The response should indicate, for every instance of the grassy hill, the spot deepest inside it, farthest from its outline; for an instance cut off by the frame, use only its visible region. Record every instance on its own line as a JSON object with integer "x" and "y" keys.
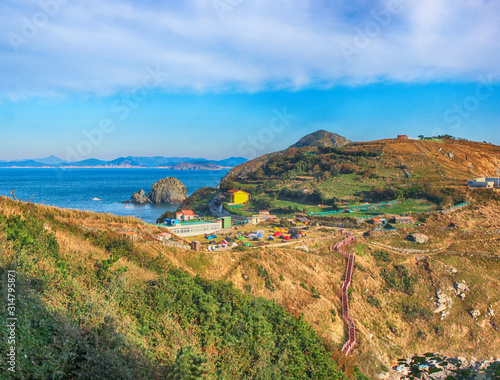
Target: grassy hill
{"x": 91, "y": 304}
{"x": 363, "y": 172}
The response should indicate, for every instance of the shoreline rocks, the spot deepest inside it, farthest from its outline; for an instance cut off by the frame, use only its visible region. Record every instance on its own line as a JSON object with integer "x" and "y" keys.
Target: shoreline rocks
{"x": 167, "y": 190}
{"x": 140, "y": 197}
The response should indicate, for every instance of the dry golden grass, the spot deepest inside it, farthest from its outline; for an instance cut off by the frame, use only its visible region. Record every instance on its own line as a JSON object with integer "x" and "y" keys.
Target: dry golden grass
{"x": 383, "y": 333}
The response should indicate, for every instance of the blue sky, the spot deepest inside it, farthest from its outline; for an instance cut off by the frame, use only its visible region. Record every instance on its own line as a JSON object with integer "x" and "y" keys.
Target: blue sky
{"x": 220, "y": 78}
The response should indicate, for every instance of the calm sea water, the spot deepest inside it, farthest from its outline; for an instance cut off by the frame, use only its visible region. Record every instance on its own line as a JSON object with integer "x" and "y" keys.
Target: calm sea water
{"x": 75, "y": 188}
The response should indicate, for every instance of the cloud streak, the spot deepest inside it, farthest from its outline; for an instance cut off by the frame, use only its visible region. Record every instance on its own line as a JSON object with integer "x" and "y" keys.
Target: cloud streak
{"x": 103, "y": 47}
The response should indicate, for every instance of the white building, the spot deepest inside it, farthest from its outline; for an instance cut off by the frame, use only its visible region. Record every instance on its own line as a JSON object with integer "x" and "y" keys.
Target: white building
{"x": 196, "y": 228}
{"x": 485, "y": 182}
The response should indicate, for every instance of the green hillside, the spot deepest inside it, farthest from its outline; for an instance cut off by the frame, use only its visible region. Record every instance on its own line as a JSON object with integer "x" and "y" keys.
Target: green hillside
{"x": 93, "y": 305}
{"x": 362, "y": 172}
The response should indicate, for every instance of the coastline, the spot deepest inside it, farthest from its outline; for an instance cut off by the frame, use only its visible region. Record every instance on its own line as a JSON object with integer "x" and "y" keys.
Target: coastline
{"x": 113, "y": 167}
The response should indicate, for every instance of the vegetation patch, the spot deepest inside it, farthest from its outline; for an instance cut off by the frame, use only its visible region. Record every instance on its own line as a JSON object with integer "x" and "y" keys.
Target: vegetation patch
{"x": 399, "y": 279}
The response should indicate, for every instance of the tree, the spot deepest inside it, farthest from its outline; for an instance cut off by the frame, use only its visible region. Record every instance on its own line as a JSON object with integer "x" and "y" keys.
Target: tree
{"x": 421, "y": 137}
{"x": 187, "y": 366}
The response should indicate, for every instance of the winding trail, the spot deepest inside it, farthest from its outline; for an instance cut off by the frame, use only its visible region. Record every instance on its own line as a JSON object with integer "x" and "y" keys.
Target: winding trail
{"x": 350, "y": 238}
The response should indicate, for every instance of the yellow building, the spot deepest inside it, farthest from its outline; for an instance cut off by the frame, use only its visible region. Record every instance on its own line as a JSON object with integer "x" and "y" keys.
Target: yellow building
{"x": 238, "y": 196}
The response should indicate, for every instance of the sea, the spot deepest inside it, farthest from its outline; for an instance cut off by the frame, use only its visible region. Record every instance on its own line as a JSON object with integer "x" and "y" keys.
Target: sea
{"x": 76, "y": 188}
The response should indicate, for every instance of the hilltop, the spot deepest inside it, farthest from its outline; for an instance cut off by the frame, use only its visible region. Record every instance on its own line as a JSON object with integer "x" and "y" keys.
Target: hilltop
{"x": 321, "y": 138}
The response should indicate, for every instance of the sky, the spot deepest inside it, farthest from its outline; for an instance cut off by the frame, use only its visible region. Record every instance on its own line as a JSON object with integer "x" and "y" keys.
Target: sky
{"x": 221, "y": 78}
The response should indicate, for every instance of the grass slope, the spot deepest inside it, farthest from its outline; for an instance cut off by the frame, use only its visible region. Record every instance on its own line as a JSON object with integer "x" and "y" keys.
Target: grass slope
{"x": 93, "y": 305}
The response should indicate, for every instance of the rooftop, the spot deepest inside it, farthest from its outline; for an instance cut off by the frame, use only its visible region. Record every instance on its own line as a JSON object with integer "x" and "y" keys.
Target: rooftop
{"x": 185, "y": 212}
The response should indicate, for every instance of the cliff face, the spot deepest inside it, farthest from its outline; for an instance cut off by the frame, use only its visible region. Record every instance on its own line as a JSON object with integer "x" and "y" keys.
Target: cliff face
{"x": 168, "y": 190}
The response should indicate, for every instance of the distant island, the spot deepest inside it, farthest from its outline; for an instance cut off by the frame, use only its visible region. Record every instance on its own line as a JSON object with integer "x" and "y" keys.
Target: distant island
{"x": 158, "y": 162}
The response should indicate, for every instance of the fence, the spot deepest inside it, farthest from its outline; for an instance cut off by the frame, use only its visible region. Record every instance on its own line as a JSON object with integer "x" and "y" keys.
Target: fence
{"x": 354, "y": 208}
{"x": 349, "y": 345}
{"x": 455, "y": 208}
{"x": 176, "y": 244}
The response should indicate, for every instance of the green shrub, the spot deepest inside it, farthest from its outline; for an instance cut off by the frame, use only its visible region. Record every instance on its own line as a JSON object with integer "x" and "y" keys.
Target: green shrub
{"x": 374, "y": 301}
{"x": 315, "y": 292}
{"x": 400, "y": 279}
{"x": 381, "y": 257}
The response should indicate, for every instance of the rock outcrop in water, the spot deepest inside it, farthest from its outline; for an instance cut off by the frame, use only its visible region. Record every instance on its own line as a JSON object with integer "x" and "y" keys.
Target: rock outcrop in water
{"x": 167, "y": 190}
{"x": 140, "y": 197}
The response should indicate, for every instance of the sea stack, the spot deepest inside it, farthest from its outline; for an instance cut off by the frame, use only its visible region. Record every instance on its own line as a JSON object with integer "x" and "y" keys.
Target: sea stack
{"x": 140, "y": 197}
{"x": 168, "y": 190}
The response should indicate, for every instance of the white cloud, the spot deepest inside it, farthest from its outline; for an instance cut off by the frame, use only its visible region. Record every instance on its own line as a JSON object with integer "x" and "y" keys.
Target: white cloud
{"x": 106, "y": 46}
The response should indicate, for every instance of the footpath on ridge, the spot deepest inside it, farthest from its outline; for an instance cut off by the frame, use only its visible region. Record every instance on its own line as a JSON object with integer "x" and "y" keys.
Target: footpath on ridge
{"x": 350, "y": 238}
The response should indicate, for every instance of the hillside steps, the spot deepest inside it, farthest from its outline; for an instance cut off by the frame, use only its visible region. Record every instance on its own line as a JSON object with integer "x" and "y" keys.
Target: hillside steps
{"x": 350, "y": 238}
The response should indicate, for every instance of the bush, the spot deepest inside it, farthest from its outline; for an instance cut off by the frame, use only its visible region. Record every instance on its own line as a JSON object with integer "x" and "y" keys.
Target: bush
{"x": 412, "y": 312}
{"x": 400, "y": 279}
{"x": 374, "y": 301}
{"x": 315, "y": 292}
{"x": 382, "y": 257}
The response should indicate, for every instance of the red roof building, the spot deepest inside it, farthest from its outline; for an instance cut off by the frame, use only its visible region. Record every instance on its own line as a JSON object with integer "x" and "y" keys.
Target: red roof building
{"x": 184, "y": 215}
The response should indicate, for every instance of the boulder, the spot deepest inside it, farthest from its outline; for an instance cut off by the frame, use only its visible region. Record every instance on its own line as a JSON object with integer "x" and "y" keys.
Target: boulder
{"x": 474, "y": 313}
{"x": 168, "y": 190}
{"x": 440, "y": 308}
{"x": 461, "y": 289}
{"x": 140, "y": 197}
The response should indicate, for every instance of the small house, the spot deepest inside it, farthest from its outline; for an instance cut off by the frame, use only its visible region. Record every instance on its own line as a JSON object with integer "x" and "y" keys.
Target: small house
{"x": 303, "y": 221}
{"x": 196, "y": 246}
{"x": 133, "y": 236}
{"x": 404, "y": 137}
{"x": 185, "y": 215}
{"x": 402, "y": 220}
{"x": 389, "y": 227}
{"x": 418, "y": 238}
{"x": 163, "y": 237}
{"x": 265, "y": 215}
{"x": 377, "y": 220}
{"x": 256, "y": 219}
{"x": 225, "y": 222}
{"x": 296, "y": 230}
{"x": 238, "y": 196}
{"x": 488, "y": 183}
